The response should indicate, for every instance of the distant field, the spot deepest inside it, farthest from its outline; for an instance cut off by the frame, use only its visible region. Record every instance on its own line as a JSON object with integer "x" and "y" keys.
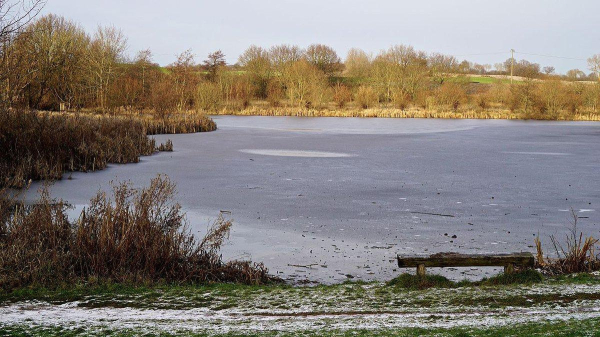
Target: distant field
{"x": 489, "y": 80}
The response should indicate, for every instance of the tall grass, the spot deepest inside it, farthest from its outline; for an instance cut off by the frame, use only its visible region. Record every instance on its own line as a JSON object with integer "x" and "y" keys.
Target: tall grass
{"x": 137, "y": 236}
{"x": 39, "y": 145}
{"x": 577, "y": 254}
{"x": 413, "y": 112}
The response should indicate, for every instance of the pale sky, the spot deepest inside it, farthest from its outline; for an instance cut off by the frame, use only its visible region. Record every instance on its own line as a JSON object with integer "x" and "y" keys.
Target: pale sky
{"x": 567, "y": 28}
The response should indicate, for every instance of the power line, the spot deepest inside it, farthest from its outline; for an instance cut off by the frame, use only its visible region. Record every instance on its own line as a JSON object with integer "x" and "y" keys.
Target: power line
{"x": 496, "y": 53}
{"x": 557, "y": 57}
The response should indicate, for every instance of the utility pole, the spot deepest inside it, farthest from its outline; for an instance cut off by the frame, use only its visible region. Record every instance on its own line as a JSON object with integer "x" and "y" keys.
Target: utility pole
{"x": 512, "y": 64}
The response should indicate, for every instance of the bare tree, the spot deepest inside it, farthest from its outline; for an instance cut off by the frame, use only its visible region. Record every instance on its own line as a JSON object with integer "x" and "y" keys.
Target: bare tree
{"x": 16, "y": 14}
{"x": 324, "y": 58}
{"x": 184, "y": 79}
{"x": 215, "y": 61}
{"x": 594, "y": 65}
{"x": 104, "y": 55}
{"x": 549, "y": 70}
{"x": 441, "y": 66}
{"x": 575, "y": 75}
{"x": 283, "y": 55}
{"x": 357, "y": 63}
{"x": 53, "y": 51}
{"x": 255, "y": 60}
{"x": 400, "y": 68}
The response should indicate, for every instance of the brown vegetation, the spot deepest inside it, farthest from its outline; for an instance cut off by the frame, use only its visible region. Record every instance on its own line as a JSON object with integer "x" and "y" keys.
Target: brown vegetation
{"x": 53, "y": 64}
{"x": 576, "y": 255}
{"x": 45, "y": 145}
{"x": 138, "y": 236}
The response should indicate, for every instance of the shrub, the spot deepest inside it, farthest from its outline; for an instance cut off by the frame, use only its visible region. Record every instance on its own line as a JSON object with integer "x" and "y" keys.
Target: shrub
{"x": 209, "y": 96}
{"x": 451, "y": 95}
{"x": 275, "y": 92}
{"x": 137, "y": 236}
{"x": 552, "y": 97}
{"x": 163, "y": 98}
{"x": 341, "y": 95}
{"x": 366, "y": 97}
{"x": 401, "y": 99}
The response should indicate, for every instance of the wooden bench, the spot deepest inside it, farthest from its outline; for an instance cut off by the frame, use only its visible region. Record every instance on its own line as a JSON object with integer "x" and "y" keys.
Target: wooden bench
{"x": 508, "y": 261}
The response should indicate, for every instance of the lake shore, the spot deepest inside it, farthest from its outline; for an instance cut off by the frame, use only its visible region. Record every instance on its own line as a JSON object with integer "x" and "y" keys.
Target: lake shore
{"x": 402, "y": 113}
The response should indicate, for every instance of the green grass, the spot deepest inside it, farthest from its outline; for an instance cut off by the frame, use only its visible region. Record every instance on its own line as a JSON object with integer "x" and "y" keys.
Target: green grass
{"x": 437, "y": 301}
{"x": 489, "y": 80}
{"x": 415, "y": 282}
{"x": 588, "y": 327}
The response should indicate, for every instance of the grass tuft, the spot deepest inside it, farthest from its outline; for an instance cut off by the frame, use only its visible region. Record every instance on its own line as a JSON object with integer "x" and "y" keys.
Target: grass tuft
{"x": 525, "y": 277}
{"x": 416, "y": 282}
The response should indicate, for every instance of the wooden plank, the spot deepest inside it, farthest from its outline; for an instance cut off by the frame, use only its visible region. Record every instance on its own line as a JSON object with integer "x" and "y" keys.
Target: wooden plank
{"x": 467, "y": 260}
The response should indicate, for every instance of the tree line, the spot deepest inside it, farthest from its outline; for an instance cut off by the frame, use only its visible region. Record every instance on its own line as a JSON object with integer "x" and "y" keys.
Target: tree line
{"x": 52, "y": 64}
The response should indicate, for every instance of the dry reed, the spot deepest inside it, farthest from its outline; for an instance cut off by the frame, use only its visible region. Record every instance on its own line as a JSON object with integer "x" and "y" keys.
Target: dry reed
{"x": 45, "y": 145}
{"x": 575, "y": 256}
{"x": 414, "y": 112}
{"x": 139, "y": 236}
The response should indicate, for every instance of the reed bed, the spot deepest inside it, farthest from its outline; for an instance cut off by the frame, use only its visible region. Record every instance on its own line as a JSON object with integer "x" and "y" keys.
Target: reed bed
{"x": 398, "y": 113}
{"x": 137, "y": 236}
{"x": 39, "y": 145}
{"x": 576, "y": 255}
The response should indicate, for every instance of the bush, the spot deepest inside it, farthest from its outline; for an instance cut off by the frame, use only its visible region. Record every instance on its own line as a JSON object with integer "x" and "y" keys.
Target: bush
{"x": 451, "y": 95}
{"x": 366, "y": 97}
{"x": 401, "y": 99}
{"x": 275, "y": 92}
{"x": 341, "y": 95}
{"x": 137, "y": 236}
{"x": 552, "y": 97}
{"x": 209, "y": 96}
{"x": 163, "y": 98}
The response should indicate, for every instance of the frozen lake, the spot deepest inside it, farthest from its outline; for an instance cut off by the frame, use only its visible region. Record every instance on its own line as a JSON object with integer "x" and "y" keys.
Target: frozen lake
{"x": 345, "y": 195}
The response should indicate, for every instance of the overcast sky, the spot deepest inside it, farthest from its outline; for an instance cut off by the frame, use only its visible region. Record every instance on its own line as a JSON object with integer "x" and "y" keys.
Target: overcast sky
{"x": 567, "y": 28}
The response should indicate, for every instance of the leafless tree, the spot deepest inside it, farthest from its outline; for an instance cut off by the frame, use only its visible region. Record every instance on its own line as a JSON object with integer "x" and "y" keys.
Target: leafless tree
{"x": 441, "y": 66}
{"x": 283, "y": 55}
{"x": 548, "y": 70}
{"x": 104, "y": 55}
{"x": 575, "y": 74}
{"x": 214, "y": 61}
{"x": 594, "y": 64}
{"x": 357, "y": 63}
{"x": 255, "y": 60}
{"x": 324, "y": 58}
{"x": 16, "y": 14}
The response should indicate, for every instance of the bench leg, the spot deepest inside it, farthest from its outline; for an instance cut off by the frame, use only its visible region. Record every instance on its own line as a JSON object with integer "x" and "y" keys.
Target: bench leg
{"x": 509, "y": 268}
{"x": 421, "y": 270}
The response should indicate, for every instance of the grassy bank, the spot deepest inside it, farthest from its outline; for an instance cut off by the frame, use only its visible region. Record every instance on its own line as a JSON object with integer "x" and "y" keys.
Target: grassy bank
{"x": 559, "y": 305}
{"x": 46, "y": 145}
{"x": 571, "y": 328}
